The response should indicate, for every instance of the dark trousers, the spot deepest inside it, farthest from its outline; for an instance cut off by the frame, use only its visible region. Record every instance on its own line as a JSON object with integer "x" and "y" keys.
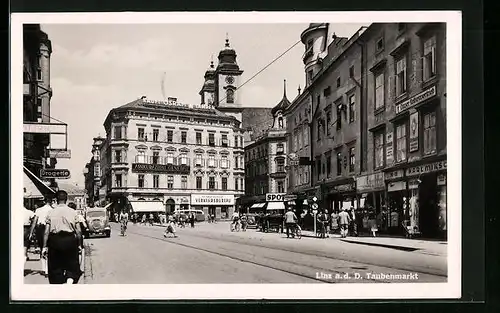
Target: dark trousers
{"x": 289, "y": 226}
{"x": 63, "y": 258}
{"x": 40, "y": 233}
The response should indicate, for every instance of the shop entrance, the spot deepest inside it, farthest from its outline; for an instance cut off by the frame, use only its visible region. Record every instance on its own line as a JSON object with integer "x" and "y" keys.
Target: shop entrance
{"x": 170, "y": 205}
{"x": 428, "y": 206}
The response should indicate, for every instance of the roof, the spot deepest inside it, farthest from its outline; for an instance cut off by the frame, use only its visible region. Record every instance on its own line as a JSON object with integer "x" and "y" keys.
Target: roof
{"x": 283, "y": 104}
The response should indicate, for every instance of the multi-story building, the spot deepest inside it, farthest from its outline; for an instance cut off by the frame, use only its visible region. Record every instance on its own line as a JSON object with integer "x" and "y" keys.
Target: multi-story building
{"x": 406, "y": 118}
{"x": 37, "y": 92}
{"x": 93, "y": 173}
{"x": 266, "y": 163}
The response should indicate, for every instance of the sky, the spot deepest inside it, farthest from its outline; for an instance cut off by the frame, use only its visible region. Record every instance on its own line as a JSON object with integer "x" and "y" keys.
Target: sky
{"x": 97, "y": 67}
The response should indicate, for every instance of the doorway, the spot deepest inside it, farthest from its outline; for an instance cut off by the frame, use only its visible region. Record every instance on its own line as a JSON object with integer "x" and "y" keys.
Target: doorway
{"x": 428, "y": 208}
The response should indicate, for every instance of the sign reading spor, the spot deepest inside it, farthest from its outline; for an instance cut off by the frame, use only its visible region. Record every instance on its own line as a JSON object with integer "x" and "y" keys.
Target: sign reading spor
{"x": 275, "y": 197}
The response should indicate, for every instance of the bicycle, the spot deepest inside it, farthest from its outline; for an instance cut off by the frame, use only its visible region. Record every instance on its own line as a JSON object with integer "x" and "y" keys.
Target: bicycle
{"x": 235, "y": 226}
{"x": 296, "y": 231}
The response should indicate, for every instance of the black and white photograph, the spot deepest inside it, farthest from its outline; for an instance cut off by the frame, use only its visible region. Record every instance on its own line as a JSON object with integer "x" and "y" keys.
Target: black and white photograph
{"x": 231, "y": 155}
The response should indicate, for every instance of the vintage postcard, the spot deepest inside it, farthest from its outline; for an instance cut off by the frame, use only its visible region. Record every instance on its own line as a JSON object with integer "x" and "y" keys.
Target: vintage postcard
{"x": 304, "y": 155}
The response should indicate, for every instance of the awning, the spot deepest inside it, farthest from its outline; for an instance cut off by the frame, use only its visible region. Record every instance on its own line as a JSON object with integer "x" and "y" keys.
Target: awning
{"x": 147, "y": 206}
{"x": 257, "y": 205}
{"x": 34, "y": 187}
{"x": 108, "y": 205}
{"x": 275, "y": 205}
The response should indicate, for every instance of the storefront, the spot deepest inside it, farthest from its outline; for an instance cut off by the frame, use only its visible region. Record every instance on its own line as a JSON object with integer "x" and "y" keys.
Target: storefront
{"x": 222, "y": 206}
{"x": 275, "y": 202}
{"x": 396, "y": 201}
{"x": 371, "y": 196}
{"x": 340, "y": 195}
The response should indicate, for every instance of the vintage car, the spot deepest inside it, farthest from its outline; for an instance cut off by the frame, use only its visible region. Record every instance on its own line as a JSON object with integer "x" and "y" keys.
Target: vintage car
{"x": 252, "y": 220}
{"x": 97, "y": 222}
{"x": 270, "y": 222}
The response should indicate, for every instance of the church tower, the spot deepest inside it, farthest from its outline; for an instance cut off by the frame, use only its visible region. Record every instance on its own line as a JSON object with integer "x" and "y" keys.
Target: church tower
{"x": 279, "y": 121}
{"x": 227, "y": 80}
{"x": 207, "y": 92}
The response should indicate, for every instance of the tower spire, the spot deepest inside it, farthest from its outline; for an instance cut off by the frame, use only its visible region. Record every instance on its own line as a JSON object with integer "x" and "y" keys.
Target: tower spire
{"x": 212, "y": 61}
{"x": 227, "y": 40}
{"x": 299, "y": 89}
{"x": 284, "y": 89}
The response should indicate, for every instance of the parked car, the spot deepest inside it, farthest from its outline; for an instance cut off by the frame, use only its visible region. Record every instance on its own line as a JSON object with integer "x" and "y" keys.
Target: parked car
{"x": 98, "y": 222}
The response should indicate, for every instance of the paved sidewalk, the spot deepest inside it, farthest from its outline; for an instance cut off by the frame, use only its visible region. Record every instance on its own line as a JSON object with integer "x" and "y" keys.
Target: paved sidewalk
{"x": 33, "y": 273}
{"x": 425, "y": 246}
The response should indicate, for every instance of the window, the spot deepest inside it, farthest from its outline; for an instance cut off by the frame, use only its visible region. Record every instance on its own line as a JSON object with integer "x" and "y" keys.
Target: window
{"x": 230, "y": 96}
{"x": 224, "y": 183}
{"x": 318, "y": 168}
{"x": 156, "y": 132}
{"x": 351, "y": 71}
{"x": 198, "y": 160}
{"x": 118, "y": 132}
{"x": 183, "y": 136}
{"x": 118, "y": 180}
{"x": 280, "y": 148}
{"x": 280, "y": 122}
{"x": 430, "y": 133}
{"x": 280, "y": 165}
{"x": 224, "y": 163}
{"x": 211, "y": 182}
{"x": 184, "y": 159}
{"x": 379, "y": 149}
{"x": 300, "y": 138}
{"x": 140, "y": 180}
{"x": 236, "y": 141}
{"x": 170, "y": 182}
{"x": 156, "y": 181}
{"x": 319, "y": 130}
{"x": 198, "y": 138}
{"x": 211, "y": 140}
{"x": 327, "y": 91}
{"x": 306, "y": 136}
{"x": 118, "y": 156}
{"x": 295, "y": 141}
{"x": 338, "y": 82}
{"x": 339, "y": 116}
{"x": 379, "y": 45}
{"x": 379, "y": 91}
{"x": 236, "y": 183}
{"x": 352, "y": 159}
{"x": 339, "y": 164}
{"x": 401, "y": 76}
{"x": 328, "y": 165}
{"x": 401, "y": 143}
{"x": 39, "y": 75}
{"x": 241, "y": 141}
{"x": 170, "y": 158}
{"x": 429, "y": 60}
{"x": 141, "y": 156}
{"x": 224, "y": 142}
{"x": 242, "y": 184}
{"x": 156, "y": 157}
{"x": 184, "y": 181}
{"x": 199, "y": 182}
{"x": 170, "y": 135}
{"x": 211, "y": 161}
{"x": 328, "y": 114}
{"x": 352, "y": 108}
{"x": 140, "y": 133}
{"x": 280, "y": 186}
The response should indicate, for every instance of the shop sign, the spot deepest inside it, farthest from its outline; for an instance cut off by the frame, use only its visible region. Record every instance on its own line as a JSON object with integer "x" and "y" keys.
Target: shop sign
{"x": 396, "y": 186}
{"x": 413, "y": 184}
{"x": 427, "y": 168}
{"x": 394, "y": 175}
{"x": 54, "y": 173}
{"x": 212, "y": 199}
{"x": 59, "y": 154}
{"x": 290, "y": 197}
{"x": 441, "y": 180}
{"x": 275, "y": 197}
{"x": 389, "y": 152}
{"x": 185, "y": 200}
{"x": 414, "y": 132}
{"x": 345, "y": 188}
{"x": 160, "y": 168}
{"x": 421, "y": 97}
{"x": 370, "y": 182}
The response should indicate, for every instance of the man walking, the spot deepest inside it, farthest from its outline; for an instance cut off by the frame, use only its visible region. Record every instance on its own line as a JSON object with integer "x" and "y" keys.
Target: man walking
{"x": 290, "y": 221}
{"x": 344, "y": 220}
{"x": 29, "y": 222}
{"x": 40, "y": 218}
{"x": 62, "y": 241}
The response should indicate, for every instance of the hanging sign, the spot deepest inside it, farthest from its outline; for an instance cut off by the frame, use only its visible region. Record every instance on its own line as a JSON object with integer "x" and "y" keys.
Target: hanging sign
{"x": 414, "y": 132}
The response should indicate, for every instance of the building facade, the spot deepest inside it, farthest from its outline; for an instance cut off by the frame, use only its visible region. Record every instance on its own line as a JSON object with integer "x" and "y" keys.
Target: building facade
{"x": 266, "y": 163}
{"x": 92, "y": 174}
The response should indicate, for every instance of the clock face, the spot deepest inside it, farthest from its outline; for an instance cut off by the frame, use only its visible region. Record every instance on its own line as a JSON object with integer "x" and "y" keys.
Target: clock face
{"x": 229, "y": 79}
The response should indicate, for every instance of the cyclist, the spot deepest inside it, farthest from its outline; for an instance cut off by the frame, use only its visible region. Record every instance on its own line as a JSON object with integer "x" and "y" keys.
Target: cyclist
{"x": 235, "y": 220}
{"x": 123, "y": 220}
{"x": 290, "y": 222}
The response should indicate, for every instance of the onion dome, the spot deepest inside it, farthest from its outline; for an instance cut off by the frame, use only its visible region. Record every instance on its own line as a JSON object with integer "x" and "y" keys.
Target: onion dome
{"x": 227, "y": 58}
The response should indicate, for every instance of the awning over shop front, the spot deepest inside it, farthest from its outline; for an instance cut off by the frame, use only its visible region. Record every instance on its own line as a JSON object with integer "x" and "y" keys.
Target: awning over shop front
{"x": 147, "y": 206}
{"x": 257, "y": 205}
{"x": 34, "y": 188}
{"x": 108, "y": 205}
{"x": 275, "y": 205}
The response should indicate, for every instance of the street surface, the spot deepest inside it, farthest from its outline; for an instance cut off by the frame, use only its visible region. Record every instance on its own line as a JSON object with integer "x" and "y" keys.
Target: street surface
{"x": 210, "y": 253}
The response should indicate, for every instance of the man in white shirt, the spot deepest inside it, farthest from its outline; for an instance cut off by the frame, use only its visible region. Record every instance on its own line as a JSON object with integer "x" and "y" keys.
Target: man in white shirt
{"x": 40, "y": 219}
{"x": 28, "y": 229}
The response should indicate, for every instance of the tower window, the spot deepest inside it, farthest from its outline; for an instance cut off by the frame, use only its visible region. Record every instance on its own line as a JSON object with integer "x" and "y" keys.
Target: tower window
{"x": 230, "y": 96}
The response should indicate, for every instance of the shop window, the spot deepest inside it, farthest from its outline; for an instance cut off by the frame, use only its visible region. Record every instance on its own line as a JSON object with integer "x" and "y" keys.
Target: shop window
{"x": 339, "y": 164}
{"x": 156, "y": 133}
{"x": 198, "y": 138}
{"x": 140, "y": 181}
{"x": 199, "y": 182}
{"x": 352, "y": 159}
{"x": 379, "y": 149}
{"x": 184, "y": 136}
{"x": 118, "y": 180}
{"x": 430, "y": 133}
{"x": 401, "y": 143}
{"x": 140, "y": 133}
{"x": 224, "y": 183}
{"x": 379, "y": 91}
{"x": 184, "y": 181}
{"x": 170, "y": 182}
{"x": 429, "y": 59}
{"x": 401, "y": 76}
{"x": 352, "y": 108}
{"x": 156, "y": 181}
{"x": 156, "y": 157}
{"x": 170, "y": 136}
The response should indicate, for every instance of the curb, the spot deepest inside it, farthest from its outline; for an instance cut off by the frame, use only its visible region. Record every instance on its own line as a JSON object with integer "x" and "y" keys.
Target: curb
{"x": 404, "y": 248}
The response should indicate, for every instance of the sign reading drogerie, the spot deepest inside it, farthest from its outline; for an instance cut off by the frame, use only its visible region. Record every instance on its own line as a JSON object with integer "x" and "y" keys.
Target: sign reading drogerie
{"x": 55, "y": 173}
{"x": 421, "y": 97}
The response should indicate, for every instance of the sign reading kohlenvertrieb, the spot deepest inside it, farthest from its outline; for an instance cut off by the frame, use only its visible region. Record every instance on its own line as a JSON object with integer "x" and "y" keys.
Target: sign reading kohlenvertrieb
{"x": 55, "y": 173}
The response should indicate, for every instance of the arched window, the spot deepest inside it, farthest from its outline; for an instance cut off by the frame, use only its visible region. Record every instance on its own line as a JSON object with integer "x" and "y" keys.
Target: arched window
{"x": 230, "y": 96}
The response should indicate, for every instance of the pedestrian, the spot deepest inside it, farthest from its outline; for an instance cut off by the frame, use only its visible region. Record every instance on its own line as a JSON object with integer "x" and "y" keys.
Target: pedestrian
{"x": 334, "y": 223}
{"x": 170, "y": 227}
{"x": 354, "y": 224}
{"x": 29, "y": 225}
{"x": 344, "y": 220}
{"x": 290, "y": 221}
{"x": 191, "y": 220}
{"x": 143, "y": 220}
{"x": 151, "y": 219}
{"x": 62, "y": 242}
{"x": 40, "y": 218}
